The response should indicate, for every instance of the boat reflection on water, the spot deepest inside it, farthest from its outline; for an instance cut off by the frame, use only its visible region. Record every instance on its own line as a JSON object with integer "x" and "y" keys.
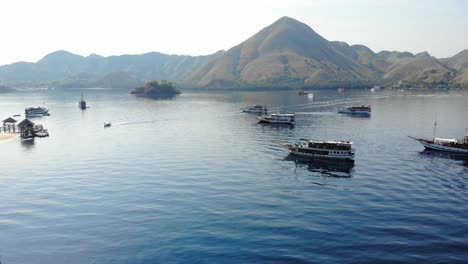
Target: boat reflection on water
{"x": 27, "y": 143}
{"x": 328, "y": 168}
{"x": 445, "y": 155}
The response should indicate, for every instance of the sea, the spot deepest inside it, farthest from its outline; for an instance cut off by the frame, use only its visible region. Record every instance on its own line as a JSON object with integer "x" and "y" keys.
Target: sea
{"x": 194, "y": 180}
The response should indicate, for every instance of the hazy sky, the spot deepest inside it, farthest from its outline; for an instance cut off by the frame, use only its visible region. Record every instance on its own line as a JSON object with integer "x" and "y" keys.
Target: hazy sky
{"x": 30, "y": 29}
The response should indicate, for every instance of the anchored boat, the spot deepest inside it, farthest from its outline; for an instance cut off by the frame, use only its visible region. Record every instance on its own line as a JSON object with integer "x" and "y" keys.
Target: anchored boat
{"x": 36, "y": 112}
{"x": 82, "y": 103}
{"x": 445, "y": 144}
{"x": 256, "y": 109}
{"x": 322, "y": 149}
{"x": 277, "y": 119}
{"x": 358, "y": 110}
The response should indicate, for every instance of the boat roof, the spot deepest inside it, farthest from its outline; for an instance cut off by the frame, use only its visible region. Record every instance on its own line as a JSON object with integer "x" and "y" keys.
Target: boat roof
{"x": 445, "y": 140}
{"x": 362, "y": 106}
{"x": 37, "y": 107}
{"x": 336, "y": 142}
{"x": 278, "y": 114}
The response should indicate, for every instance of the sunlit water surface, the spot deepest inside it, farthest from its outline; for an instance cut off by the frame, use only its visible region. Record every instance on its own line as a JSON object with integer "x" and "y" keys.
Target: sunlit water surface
{"x": 193, "y": 180}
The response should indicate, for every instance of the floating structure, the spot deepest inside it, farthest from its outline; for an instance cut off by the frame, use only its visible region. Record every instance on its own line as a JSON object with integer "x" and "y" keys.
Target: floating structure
{"x": 36, "y": 112}
{"x": 82, "y": 103}
{"x": 356, "y": 110}
{"x": 9, "y": 125}
{"x": 28, "y": 129}
{"x": 277, "y": 119}
{"x": 256, "y": 109}
{"x": 322, "y": 149}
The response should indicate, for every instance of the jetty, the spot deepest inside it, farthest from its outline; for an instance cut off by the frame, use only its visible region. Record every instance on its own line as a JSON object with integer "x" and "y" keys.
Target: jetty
{"x": 9, "y": 129}
{"x": 25, "y": 129}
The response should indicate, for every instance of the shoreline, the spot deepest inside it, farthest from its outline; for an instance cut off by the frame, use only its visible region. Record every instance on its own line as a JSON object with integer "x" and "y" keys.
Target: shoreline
{"x": 8, "y": 136}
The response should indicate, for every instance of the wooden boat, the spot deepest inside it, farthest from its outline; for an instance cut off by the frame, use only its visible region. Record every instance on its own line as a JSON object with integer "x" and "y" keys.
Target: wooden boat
{"x": 445, "y": 144}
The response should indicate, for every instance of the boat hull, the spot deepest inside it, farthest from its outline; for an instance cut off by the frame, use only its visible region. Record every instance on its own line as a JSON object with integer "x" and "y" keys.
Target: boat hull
{"x": 254, "y": 111}
{"x": 354, "y": 112}
{"x": 276, "y": 122}
{"x": 36, "y": 115}
{"x": 329, "y": 156}
{"x": 438, "y": 147}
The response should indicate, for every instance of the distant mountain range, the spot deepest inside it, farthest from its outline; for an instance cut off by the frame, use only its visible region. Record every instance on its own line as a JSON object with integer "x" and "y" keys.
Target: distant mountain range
{"x": 63, "y": 69}
{"x": 286, "y": 54}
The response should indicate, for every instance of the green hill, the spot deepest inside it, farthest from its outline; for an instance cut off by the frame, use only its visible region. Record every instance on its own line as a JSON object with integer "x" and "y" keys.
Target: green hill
{"x": 156, "y": 90}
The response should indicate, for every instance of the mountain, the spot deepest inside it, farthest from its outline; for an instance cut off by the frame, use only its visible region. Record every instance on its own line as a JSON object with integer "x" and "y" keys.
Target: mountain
{"x": 284, "y": 53}
{"x": 65, "y": 69}
{"x": 289, "y": 53}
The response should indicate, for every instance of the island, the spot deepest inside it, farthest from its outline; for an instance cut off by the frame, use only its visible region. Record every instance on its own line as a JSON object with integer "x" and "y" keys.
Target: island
{"x": 156, "y": 90}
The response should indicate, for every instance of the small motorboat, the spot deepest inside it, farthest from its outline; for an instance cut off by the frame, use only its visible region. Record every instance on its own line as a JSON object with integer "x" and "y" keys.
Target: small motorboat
{"x": 107, "y": 124}
{"x": 42, "y": 133}
{"x": 17, "y": 115}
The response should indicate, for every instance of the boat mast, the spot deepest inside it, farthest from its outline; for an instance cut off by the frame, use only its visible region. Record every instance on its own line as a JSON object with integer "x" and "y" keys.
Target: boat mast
{"x": 466, "y": 125}
{"x": 435, "y": 129}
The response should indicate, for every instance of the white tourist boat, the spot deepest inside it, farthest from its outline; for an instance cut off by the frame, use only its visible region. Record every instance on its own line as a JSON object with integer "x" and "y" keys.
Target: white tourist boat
{"x": 358, "y": 110}
{"x": 445, "y": 144}
{"x": 322, "y": 149}
{"x": 277, "y": 119}
{"x": 256, "y": 109}
{"x": 42, "y": 133}
{"x": 36, "y": 112}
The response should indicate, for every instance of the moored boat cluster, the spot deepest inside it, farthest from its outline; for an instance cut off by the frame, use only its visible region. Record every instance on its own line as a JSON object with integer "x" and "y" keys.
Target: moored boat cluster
{"x": 314, "y": 149}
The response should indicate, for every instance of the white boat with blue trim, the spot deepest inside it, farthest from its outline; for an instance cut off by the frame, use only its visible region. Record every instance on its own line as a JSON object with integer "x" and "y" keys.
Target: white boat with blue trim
{"x": 277, "y": 118}
{"x": 445, "y": 144}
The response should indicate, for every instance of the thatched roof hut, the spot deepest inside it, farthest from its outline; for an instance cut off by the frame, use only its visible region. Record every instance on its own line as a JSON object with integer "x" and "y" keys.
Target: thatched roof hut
{"x": 9, "y": 120}
{"x": 26, "y": 128}
{"x": 26, "y": 124}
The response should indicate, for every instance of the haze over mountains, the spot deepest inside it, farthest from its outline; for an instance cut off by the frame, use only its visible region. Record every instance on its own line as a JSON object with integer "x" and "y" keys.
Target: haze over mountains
{"x": 287, "y": 53}
{"x": 65, "y": 69}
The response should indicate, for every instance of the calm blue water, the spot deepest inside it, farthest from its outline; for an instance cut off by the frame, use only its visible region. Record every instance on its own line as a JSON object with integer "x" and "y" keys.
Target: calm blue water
{"x": 193, "y": 180}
